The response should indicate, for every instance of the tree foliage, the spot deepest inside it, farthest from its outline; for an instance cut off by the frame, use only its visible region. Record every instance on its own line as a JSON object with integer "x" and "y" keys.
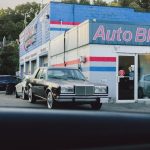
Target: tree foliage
{"x": 70, "y": 1}
{"x": 139, "y": 5}
{"x": 12, "y": 20}
{"x": 144, "y": 4}
{"x": 114, "y": 3}
{"x": 125, "y": 3}
{"x": 84, "y": 2}
{"x": 9, "y": 60}
{"x": 11, "y": 25}
{"x": 99, "y": 3}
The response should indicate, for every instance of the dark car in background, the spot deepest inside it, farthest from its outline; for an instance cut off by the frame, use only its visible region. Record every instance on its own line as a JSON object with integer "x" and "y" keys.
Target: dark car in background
{"x": 8, "y": 82}
{"x": 144, "y": 86}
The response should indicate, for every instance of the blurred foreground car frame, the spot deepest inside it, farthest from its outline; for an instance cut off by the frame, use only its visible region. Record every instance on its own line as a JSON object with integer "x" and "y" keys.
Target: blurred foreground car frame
{"x": 73, "y": 130}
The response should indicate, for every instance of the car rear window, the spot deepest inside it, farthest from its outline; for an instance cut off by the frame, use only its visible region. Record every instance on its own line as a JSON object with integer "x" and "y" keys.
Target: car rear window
{"x": 7, "y": 78}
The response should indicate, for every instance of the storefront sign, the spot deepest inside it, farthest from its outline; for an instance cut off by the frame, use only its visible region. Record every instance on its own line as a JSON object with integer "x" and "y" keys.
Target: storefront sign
{"x": 27, "y": 58}
{"x": 119, "y": 34}
{"x": 33, "y": 55}
{"x": 30, "y": 36}
{"x": 21, "y": 60}
{"x": 43, "y": 50}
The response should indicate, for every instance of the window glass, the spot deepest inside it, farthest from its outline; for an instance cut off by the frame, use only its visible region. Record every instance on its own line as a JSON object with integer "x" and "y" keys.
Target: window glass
{"x": 143, "y": 76}
{"x": 147, "y": 78}
{"x": 39, "y": 74}
{"x": 79, "y": 75}
{"x": 66, "y": 74}
{"x": 43, "y": 74}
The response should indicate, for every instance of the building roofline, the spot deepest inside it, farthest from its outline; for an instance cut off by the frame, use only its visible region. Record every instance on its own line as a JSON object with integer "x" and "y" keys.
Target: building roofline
{"x": 35, "y": 18}
{"x": 119, "y": 22}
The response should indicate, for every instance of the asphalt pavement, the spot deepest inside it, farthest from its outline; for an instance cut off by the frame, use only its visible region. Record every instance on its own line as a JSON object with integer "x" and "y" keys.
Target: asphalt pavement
{"x": 11, "y": 101}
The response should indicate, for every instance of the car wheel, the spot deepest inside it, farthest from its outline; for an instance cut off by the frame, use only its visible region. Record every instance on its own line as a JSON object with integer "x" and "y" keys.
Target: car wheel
{"x": 96, "y": 105}
{"x": 7, "y": 91}
{"x": 24, "y": 95}
{"x": 31, "y": 96}
{"x": 50, "y": 101}
{"x": 140, "y": 93}
{"x": 16, "y": 94}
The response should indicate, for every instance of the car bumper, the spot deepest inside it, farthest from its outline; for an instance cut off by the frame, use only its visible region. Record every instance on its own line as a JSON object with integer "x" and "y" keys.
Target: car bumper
{"x": 2, "y": 88}
{"x": 82, "y": 99}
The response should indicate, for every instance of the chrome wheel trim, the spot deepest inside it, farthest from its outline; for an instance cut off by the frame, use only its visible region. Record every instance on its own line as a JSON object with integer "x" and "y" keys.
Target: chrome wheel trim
{"x": 23, "y": 94}
{"x": 30, "y": 95}
{"x": 49, "y": 100}
{"x": 16, "y": 94}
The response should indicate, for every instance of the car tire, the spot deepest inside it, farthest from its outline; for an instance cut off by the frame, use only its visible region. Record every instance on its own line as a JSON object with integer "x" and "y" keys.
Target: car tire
{"x": 96, "y": 105}
{"x": 24, "y": 95}
{"x": 31, "y": 97}
{"x": 51, "y": 103}
{"x": 16, "y": 94}
{"x": 140, "y": 93}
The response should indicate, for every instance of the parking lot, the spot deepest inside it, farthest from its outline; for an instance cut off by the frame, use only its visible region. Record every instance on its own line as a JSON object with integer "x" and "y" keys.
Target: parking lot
{"x": 11, "y": 101}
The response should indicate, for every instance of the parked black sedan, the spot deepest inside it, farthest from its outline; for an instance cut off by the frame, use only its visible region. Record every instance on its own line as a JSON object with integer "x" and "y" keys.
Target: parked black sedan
{"x": 65, "y": 85}
{"x": 8, "y": 82}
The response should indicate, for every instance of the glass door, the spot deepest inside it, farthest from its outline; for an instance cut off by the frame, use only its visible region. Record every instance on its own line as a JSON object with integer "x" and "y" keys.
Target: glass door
{"x": 126, "y": 77}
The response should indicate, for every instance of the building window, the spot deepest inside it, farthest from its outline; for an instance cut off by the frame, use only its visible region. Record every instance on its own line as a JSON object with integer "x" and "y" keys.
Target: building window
{"x": 144, "y": 76}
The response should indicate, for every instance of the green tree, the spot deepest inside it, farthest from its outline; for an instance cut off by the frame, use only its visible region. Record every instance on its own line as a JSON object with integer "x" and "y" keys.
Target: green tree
{"x": 9, "y": 60}
{"x": 12, "y": 21}
{"x": 114, "y": 3}
{"x": 125, "y": 3}
{"x": 11, "y": 25}
{"x": 136, "y": 6}
{"x": 144, "y": 4}
{"x": 84, "y": 2}
{"x": 70, "y": 1}
{"x": 100, "y": 3}
{"x": 28, "y": 9}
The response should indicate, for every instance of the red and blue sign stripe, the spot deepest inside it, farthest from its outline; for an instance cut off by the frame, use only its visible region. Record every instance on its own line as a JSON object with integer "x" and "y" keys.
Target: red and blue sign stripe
{"x": 64, "y": 25}
{"x": 93, "y": 68}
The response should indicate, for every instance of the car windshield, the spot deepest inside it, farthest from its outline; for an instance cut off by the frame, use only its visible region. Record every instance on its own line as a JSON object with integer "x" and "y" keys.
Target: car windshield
{"x": 65, "y": 74}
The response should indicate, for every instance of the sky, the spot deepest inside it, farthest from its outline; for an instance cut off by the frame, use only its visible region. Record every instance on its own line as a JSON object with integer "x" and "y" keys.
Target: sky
{"x": 12, "y": 3}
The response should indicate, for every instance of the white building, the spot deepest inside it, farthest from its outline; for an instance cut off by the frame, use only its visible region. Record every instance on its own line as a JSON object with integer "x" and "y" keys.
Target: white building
{"x": 108, "y": 50}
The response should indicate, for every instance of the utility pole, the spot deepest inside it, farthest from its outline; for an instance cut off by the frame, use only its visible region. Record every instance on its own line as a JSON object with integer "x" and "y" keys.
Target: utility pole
{"x": 25, "y": 20}
{"x": 4, "y": 41}
{"x": 41, "y": 4}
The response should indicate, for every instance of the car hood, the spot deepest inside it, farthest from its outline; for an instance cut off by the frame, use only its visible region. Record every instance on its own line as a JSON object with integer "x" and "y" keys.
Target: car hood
{"x": 73, "y": 82}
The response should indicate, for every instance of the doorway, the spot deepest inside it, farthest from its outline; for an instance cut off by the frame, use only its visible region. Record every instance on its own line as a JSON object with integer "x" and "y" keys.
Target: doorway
{"x": 126, "y": 77}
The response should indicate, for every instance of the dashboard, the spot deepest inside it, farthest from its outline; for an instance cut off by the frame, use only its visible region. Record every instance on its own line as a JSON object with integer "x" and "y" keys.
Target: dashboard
{"x": 22, "y": 128}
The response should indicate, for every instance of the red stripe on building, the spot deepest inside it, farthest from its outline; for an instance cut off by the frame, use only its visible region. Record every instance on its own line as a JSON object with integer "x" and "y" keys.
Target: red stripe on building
{"x": 59, "y": 65}
{"x": 77, "y": 61}
{"x": 64, "y": 23}
{"x": 88, "y": 59}
{"x": 72, "y": 62}
{"x": 102, "y": 59}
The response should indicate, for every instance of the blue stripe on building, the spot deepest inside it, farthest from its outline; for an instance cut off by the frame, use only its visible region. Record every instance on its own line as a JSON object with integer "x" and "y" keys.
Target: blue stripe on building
{"x": 59, "y": 29}
{"x": 101, "y": 69}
